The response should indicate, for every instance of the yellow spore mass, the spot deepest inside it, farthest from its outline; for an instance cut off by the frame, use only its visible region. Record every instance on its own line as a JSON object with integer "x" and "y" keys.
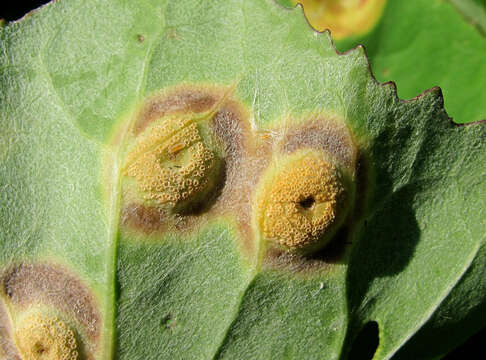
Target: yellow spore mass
{"x": 343, "y": 17}
{"x": 170, "y": 162}
{"x": 43, "y": 338}
{"x": 302, "y": 202}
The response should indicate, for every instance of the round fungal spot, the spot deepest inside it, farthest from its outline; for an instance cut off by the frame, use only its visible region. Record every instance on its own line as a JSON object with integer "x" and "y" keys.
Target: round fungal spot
{"x": 42, "y": 338}
{"x": 173, "y": 162}
{"x": 305, "y": 198}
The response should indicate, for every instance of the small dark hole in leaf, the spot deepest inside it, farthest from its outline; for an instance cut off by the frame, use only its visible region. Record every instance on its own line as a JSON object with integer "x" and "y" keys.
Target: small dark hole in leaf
{"x": 307, "y": 202}
{"x": 366, "y": 343}
{"x": 39, "y": 349}
{"x": 166, "y": 320}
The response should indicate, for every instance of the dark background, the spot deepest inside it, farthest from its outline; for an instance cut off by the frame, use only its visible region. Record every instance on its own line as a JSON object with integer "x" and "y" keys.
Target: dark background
{"x": 474, "y": 348}
{"x": 11, "y": 10}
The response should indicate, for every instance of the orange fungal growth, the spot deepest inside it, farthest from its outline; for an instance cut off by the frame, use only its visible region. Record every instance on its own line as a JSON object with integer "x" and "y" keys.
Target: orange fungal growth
{"x": 42, "y": 338}
{"x": 172, "y": 162}
{"x": 305, "y": 198}
{"x": 343, "y": 17}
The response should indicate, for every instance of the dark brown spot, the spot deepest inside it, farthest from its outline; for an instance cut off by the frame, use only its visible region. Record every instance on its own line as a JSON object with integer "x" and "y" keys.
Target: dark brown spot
{"x": 140, "y": 38}
{"x": 231, "y": 126}
{"x": 144, "y": 218}
{"x": 307, "y": 203}
{"x": 40, "y": 349}
{"x": 326, "y": 134}
{"x": 311, "y": 264}
{"x": 182, "y": 99}
{"x": 27, "y": 284}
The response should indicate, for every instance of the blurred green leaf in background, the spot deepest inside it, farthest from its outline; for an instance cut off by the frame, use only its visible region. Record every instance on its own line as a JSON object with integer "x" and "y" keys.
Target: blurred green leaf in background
{"x": 419, "y": 44}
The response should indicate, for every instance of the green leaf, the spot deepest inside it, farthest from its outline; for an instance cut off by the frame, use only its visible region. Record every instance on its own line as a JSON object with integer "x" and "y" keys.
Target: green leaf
{"x": 474, "y": 12}
{"x": 419, "y": 44}
{"x": 432, "y": 45}
{"x": 422, "y": 44}
{"x": 83, "y": 85}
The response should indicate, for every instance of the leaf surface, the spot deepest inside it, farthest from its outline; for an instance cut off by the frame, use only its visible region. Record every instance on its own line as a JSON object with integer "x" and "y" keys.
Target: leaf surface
{"x": 72, "y": 91}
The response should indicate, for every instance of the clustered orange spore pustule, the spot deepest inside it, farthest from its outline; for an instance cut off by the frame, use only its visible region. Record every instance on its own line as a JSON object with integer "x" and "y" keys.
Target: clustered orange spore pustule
{"x": 191, "y": 127}
{"x": 229, "y": 175}
{"x": 39, "y": 337}
{"x": 171, "y": 163}
{"x": 301, "y": 205}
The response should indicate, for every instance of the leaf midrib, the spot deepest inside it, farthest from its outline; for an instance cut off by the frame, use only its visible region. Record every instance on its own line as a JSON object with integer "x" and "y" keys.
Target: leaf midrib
{"x": 116, "y": 198}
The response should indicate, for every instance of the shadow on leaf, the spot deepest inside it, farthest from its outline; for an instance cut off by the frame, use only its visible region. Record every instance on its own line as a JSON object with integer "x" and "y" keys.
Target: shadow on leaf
{"x": 366, "y": 343}
{"x": 388, "y": 240}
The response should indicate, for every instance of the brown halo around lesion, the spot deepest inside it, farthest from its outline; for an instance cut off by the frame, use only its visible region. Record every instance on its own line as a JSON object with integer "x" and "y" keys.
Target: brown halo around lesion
{"x": 309, "y": 135}
{"x": 227, "y": 132}
{"x": 245, "y": 154}
{"x": 39, "y": 295}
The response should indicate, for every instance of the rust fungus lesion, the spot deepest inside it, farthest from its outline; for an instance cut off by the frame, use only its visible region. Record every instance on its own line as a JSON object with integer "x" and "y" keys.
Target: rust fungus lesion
{"x": 326, "y": 132}
{"x": 48, "y": 313}
{"x": 41, "y": 337}
{"x": 305, "y": 198}
{"x": 172, "y": 164}
{"x": 304, "y": 205}
{"x": 192, "y": 156}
